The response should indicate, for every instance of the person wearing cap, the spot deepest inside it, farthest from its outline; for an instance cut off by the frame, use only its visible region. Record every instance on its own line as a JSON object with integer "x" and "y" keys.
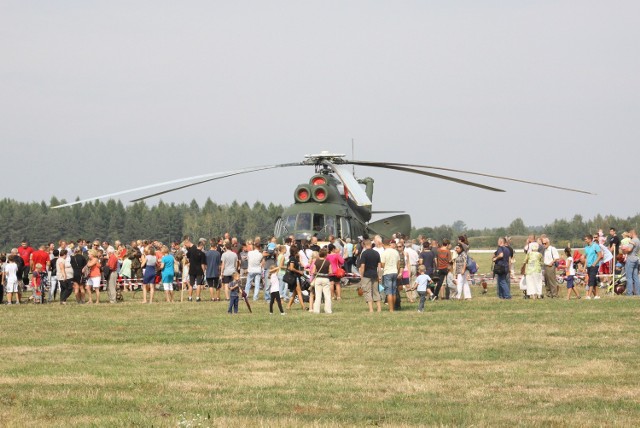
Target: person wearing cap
{"x": 390, "y": 263}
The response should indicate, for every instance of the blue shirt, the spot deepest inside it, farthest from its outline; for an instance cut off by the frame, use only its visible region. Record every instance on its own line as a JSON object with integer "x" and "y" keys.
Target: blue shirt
{"x": 213, "y": 258}
{"x": 591, "y": 251}
{"x": 168, "y": 261}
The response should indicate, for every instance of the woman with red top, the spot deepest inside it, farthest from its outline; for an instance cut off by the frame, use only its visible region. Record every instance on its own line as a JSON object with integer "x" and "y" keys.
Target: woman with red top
{"x": 336, "y": 260}
{"x": 95, "y": 275}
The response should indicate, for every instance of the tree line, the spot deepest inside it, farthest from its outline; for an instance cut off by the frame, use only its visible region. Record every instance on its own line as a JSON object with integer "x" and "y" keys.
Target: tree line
{"x": 39, "y": 223}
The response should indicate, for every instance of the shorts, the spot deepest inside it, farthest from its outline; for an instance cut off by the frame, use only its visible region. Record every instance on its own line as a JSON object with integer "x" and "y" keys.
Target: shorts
{"x": 167, "y": 286}
{"x": 390, "y": 283}
{"x": 94, "y": 281}
{"x": 370, "y": 290}
{"x": 570, "y": 280}
{"x": 605, "y": 268}
{"x": 12, "y": 286}
{"x": 593, "y": 275}
{"x": 196, "y": 280}
{"x": 227, "y": 279}
{"x": 214, "y": 283}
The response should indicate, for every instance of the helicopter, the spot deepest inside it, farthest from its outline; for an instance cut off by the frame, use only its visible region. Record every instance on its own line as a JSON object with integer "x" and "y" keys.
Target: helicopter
{"x": 333, "y": 202}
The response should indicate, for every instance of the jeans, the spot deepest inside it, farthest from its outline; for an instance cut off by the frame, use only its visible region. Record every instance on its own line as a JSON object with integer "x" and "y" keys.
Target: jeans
{"x": 503, "y": 286}
{"x": 423, "y": 298}
{"x": 442, "y": 276}
{"x": 66, "y": 289}
{"x": 233, "y": 304}
{"x": 390, "y": 283}
{"x": 253, "y": 277}
{"x": 633, "y": 282}
{"x": 54, "y": 285}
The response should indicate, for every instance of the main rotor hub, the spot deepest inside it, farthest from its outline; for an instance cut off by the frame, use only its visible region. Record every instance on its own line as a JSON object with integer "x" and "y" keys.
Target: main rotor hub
{"x": 324, "y": 156}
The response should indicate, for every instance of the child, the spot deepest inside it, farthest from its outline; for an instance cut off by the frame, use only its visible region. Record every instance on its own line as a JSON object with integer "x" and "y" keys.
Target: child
{"x": 570, "y": 274}
{"x": 11, "y": 275}
{"x": 125, "y": 273}
{"x": 422, "y": 286}
{"x": 275, "y": 289}
{"x": 185, "y": 278}
{"x": 37, "y": 284}
{"x": 234, "y": 293}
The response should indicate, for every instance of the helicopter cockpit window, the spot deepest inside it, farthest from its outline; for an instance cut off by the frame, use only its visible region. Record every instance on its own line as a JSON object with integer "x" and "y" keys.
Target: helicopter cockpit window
{"x": 330, "y": 225}
{"x": 289, "y": 223}
{"x": 304, "y": 221}
{"x": 345, "y": 229}
{"x": 318, "y": 222}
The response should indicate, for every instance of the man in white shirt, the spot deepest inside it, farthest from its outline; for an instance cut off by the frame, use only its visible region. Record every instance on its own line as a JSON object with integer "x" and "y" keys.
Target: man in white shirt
{"x": 254, "y": 270}
{"x": 390, "y": 263}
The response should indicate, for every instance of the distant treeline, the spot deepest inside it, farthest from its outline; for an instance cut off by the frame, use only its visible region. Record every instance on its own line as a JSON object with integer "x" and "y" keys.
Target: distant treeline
{"x": 111, "y": 220}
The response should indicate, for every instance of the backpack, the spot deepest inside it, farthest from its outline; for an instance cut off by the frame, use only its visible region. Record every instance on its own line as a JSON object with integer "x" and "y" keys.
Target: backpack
{"x": 472, "y": 266}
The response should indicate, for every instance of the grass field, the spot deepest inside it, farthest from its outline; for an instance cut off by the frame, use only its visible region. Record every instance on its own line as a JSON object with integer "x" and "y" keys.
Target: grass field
{"x": 483, "y": 362}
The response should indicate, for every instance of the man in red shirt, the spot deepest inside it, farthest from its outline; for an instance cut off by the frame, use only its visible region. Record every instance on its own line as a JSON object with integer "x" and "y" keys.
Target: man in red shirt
{"x": 41, "y": 255}
{"x": 25, "y": 251}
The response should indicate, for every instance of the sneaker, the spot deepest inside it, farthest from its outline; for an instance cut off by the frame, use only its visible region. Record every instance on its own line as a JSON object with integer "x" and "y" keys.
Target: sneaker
{"x": 198, "y": 299}
{"x": 189, "y": 299}
{"x": 596, "y": 298}
{"x": 283, "y": 313}
{"x": 587, "y": 297}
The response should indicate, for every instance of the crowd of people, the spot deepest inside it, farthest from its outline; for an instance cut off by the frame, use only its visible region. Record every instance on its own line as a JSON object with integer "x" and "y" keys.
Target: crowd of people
{"x": 309, "y": 274}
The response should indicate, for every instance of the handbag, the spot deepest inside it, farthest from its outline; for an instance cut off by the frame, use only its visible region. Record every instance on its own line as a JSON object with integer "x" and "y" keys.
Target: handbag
{"x": 289, "y": 277}
{"x": 339, "y": 273}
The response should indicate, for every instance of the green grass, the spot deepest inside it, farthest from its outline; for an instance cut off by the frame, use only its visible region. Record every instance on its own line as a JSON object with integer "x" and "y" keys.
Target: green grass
{"x": 483, "y": 362}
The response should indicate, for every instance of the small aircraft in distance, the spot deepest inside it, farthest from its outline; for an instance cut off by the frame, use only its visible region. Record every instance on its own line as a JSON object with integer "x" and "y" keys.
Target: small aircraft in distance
{"x": 333, "y": 202}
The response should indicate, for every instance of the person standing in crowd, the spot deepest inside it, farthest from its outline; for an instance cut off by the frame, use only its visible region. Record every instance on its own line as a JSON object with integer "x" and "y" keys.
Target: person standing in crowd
{"x": 54, "y": 283}
{"x": 167, "y": 268}
{"x": 197, "y": 266}
{"x": 369, "y": 268}
{"x": 349, "y": 260}
{"x": 111, "y": 274}
{"x": 631, "y": 265}
{"x": 550, "y": 258}
{"x": 335, "y": 259}
{"x": 95, "y": 276}
{"x": 25, "y": 251}
{"x": 443, "y": 260}
{"x": 281, "y": 262}
{"x": 390, "y": 262}
{"x": 10, "y": 273}
{"x": 462, "y": 283}
{"x": 295, "y": 268}
{"x": 212, "y": 274}
{"x": 593, "y": 255}
{"x": 614, "y": 242}
{"x": 64, "y": 272}
{"x": 501, "y": 262}
{"x": 533, "y": 271}
{"x": 149, "y": 262}
{"x": 254, "y": 270}
{"x": 78, "y": 262}
{"x": 228, "y": 266}
{"x": 125, "y": 271}
{"x": 322, "y": 270}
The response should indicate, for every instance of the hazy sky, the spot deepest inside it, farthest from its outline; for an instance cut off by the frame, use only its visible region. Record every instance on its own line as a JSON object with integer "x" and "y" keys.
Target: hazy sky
{"x": 100, "y": 96}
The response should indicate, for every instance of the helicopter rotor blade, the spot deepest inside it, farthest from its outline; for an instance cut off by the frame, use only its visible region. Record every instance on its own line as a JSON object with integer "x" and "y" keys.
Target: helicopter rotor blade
{"x": 480, "y": 174}
{"x": 208, "y": 177}
{"x": 225, "y": 175}
{"x": 400, "y": 167}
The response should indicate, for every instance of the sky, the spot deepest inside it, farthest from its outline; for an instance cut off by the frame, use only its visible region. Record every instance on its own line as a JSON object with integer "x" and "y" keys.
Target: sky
{"x": 102, "y": 96}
